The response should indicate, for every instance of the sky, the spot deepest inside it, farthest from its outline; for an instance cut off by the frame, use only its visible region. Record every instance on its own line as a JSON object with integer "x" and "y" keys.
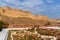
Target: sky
{"x": 50, "y": 8}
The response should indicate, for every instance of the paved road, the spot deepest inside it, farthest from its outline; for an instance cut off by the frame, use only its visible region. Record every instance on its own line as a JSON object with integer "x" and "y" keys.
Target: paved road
{"x": 3, "y": 34}
{"x": 51, "y": 27}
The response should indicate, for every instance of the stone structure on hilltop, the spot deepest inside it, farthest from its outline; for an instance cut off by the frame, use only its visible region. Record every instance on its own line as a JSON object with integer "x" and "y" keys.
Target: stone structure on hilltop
{"x": 7, "y": 11}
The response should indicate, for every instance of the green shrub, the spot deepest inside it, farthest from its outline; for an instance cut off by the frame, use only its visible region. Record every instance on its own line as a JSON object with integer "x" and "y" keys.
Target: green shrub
{"x": 3, "y": 24}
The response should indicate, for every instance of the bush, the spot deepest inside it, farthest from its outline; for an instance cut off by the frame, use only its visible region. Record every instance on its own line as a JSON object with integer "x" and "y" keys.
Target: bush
{"x": 3, "y": 24}
{"x": 48, "y": 23}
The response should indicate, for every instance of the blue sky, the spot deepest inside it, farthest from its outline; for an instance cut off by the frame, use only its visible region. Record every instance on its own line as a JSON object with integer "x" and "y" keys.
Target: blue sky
{"x": 50, "y": 8}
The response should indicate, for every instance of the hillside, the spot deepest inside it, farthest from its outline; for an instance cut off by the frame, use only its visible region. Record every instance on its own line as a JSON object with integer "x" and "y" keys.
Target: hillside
{"x": 21, "y": 20}
{"x": 15, "y": 13}
{"x": 16, "y": 16}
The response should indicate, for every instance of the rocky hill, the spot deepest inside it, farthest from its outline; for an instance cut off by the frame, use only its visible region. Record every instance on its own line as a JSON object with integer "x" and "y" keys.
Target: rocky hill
{"x": 15, "y": 13}
{"x": 17, "y": 16}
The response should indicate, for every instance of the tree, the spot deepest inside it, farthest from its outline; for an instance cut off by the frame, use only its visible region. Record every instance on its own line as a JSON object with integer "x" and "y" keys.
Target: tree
{"x": 3, "y": 24}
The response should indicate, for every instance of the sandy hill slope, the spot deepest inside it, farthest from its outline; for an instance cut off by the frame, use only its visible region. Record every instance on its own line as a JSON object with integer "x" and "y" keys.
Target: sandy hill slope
{"x": 14, "y": 13}
{"x": 16, "y": 16}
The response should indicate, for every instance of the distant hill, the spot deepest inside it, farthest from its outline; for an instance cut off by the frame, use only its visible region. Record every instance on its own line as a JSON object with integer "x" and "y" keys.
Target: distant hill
{"x": 14, "y": 13}
{"x": 16, "y": 16}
